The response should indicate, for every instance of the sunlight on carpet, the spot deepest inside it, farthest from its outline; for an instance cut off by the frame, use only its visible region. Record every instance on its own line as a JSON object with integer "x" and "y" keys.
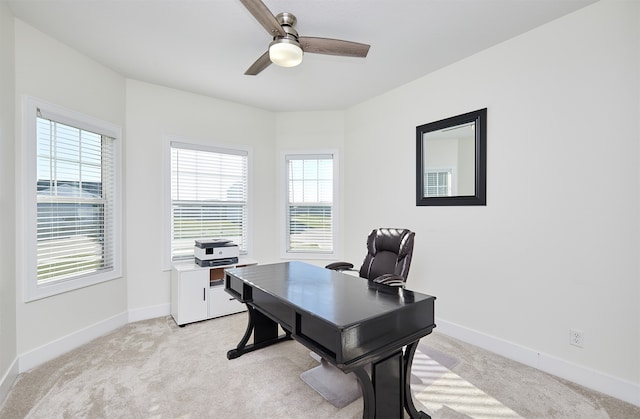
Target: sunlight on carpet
{"x": 436, "y": 387}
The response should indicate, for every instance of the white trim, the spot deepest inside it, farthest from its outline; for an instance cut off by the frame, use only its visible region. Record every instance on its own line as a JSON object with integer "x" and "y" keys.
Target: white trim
{"x": 166, "y": 204}
{"x": 69, "y": 342}
{"x": 60, "y": 346}
{"x": 8, "y": 379}
{"x": 282, "y": 204}
{"x": 604, "y": 383}
{"x": 579, "y": 374}
{"x": 151, "y": 312}
{"x": 27, "y": 207}
{"x": 193, "y": 145}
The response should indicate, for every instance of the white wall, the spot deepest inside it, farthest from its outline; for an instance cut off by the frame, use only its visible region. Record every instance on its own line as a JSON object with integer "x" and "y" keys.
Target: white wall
{"x": 154, "y": 114}
{"x": 8, "y": 339}
{"x": 310, "y": 131}
{"x": 549, "y": 252}
{"x": 638, "y": 156}
{"x": 47, "y": 69}
{"x": 557, "y": 245}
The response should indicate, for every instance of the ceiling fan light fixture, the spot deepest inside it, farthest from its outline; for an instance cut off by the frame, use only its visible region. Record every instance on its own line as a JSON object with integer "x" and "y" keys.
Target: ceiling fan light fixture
{"x": 285, "y": 48}
{"x": 285, "y": 52}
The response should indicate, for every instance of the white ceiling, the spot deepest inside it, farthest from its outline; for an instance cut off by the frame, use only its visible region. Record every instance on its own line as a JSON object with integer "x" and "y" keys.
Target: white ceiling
{"x": 205, "y": 46}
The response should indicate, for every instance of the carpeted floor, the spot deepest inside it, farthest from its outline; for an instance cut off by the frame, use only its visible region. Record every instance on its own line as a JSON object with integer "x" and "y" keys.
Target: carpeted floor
{"x": 155, "y": 369}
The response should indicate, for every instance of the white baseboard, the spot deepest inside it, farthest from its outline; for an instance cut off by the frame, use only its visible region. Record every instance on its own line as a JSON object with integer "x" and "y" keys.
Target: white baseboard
{"x": 151, "y": 312}
{"x": 64, "y": 344}
{"x": 7, "y": 380}
{"x": 587, "y": 377}
{"x": 595, "y": 380}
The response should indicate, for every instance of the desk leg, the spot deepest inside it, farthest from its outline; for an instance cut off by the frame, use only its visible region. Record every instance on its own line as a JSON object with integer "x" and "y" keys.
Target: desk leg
{"x": 383, "y": 392}
{"x": 265, "y": 333}
{"x": 410, "y": 350}
{"x": 368, "y": 393}
{"x": 388, "y": 389}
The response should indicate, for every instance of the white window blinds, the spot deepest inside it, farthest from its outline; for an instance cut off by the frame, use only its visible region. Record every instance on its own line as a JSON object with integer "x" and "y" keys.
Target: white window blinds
{"x": 208, "y": 196}
{"x": 309, "y": 203}
{"x": 437, "y": 183}
{"x": 75, "y": 201}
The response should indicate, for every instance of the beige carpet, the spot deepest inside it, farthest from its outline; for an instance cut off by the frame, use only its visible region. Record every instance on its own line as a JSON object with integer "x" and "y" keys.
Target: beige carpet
{"x": 154, "y": 369}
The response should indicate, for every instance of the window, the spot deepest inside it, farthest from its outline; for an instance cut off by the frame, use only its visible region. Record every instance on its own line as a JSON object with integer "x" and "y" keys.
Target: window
{"x": 310, "y": 204}
{"x": 209, "y": 190}
{"x": 438, "y": 182}
{"x": 72, "y": 167}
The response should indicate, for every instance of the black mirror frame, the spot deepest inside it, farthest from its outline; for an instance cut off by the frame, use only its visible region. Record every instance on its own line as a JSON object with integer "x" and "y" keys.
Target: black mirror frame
{"x": 480, "y": 197}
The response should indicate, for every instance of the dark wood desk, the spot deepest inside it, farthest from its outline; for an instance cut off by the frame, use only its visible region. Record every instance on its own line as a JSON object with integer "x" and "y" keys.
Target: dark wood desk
{"x": 349, "y": 321}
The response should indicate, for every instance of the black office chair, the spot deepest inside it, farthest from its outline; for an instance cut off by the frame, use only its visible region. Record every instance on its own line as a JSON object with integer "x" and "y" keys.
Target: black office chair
{"x": 389, "y": 252}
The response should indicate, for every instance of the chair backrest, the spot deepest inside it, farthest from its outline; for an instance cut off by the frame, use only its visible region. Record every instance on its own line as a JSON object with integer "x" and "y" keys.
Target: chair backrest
{"x": 389, "y": 251}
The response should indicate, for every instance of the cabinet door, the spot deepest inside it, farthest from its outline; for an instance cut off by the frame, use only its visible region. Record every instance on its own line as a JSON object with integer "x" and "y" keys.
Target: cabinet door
{"x": 194, "y": 296}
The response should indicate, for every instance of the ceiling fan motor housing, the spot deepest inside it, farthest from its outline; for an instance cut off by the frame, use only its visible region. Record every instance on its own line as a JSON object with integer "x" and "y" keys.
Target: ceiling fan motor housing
{"x": 288, "y": 52}
{"x": 287, "y": 21}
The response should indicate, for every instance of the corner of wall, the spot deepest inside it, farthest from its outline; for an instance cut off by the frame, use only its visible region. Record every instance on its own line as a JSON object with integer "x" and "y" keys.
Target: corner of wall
{"x": 145, "y": 313}
{"x": 8, "y": 335}
{"x": 60, "y": 346}
{"x": 7, "y": 380}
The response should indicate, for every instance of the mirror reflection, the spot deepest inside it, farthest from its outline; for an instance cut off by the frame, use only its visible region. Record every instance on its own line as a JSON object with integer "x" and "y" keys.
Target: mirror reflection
{"x": 451, "y": 161}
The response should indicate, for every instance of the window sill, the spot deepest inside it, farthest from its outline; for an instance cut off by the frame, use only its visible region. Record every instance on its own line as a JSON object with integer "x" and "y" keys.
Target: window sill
{"x": 38, "y": 292}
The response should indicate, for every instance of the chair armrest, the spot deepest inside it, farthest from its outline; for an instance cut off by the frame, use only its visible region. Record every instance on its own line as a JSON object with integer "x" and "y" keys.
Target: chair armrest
{"x": 391, "y": 280}
{"x": 340, "y": 266}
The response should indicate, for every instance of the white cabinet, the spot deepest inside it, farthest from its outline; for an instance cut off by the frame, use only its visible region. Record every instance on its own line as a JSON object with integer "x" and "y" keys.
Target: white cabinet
{"x": 197, "y": 293}
{"x": 189, "y": 300}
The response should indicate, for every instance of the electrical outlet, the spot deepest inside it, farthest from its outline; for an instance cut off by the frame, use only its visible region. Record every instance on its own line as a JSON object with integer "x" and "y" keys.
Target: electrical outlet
{"x": 576, "y": 338}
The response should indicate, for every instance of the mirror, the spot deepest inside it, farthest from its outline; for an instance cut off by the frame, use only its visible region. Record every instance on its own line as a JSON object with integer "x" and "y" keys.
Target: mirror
{"x": 451, "y": 164}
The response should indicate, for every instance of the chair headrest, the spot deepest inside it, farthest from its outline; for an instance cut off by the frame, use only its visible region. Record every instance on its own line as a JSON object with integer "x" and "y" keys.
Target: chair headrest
{"x": 391, "y": 240}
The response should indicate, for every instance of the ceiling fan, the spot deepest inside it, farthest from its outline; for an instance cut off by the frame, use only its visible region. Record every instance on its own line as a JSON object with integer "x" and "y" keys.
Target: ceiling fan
{"x": 287, "y": 47}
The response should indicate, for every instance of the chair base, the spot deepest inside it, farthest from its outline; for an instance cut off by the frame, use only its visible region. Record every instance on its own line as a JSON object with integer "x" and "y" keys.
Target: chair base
{"x": 335, "y": 386}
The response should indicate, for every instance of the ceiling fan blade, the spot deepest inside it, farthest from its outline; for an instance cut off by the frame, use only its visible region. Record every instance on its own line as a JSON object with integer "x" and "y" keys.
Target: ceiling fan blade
{"x": 333, "y": 47}
{"x": 263, "y": 15}
{"x": 260, "y": 64}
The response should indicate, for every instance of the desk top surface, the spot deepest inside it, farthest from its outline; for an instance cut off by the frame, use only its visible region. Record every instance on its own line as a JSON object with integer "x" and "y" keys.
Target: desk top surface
{"x": 333, "y": 296}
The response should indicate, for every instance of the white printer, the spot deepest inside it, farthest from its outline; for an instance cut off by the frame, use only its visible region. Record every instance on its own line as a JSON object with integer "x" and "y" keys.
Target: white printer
{"x": 216, "y": 252}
